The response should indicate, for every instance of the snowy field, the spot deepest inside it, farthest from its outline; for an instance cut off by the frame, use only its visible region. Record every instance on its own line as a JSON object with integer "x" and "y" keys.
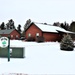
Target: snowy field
{"x": 40, "y": 58}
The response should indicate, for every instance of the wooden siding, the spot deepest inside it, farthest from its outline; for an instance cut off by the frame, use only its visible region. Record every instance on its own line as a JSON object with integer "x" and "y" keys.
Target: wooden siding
{"x": 48, "y": 36}
{"x": 6, "y": 35}
{"x": 14, "y": 33}
{"x": 33, "y": 30}
{"x": 51, "y": 36}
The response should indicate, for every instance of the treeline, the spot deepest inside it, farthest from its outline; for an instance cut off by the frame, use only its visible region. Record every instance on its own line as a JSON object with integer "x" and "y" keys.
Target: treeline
{"x": 11, "y": 25}
{"x": 66, "y": 26}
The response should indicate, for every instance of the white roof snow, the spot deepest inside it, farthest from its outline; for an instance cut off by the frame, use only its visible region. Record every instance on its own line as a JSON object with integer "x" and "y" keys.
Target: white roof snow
{"x": 51, "y": 28}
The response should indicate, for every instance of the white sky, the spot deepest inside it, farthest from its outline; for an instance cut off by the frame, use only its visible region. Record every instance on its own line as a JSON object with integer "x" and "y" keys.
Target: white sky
{"x": 48, "y": 11}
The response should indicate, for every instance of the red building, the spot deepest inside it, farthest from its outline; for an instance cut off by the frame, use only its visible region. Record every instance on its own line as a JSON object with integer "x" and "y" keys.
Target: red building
{"x": 13, "y": 33}
{"x": 49, "y": 32}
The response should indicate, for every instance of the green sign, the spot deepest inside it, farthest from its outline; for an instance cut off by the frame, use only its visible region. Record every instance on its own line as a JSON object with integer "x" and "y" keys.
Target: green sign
{"x": 4, "y": 42}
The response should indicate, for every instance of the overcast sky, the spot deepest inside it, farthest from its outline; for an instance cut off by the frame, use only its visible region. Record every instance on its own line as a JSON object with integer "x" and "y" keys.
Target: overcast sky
{"x": 48, "y": 11}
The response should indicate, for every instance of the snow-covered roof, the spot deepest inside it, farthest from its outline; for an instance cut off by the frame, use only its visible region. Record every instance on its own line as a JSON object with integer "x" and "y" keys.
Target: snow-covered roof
{"x": 6, "y": 31}
{"x": 51, "y": 28}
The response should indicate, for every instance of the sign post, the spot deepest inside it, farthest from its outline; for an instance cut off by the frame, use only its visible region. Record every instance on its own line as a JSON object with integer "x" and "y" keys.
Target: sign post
{"x": 5, "y": 42}
{"x": 9, "y": 49}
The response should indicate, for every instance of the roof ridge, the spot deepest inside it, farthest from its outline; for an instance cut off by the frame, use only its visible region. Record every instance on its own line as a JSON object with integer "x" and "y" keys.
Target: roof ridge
{"x": 6, "y": 31}
{"x": 43, "y": 23}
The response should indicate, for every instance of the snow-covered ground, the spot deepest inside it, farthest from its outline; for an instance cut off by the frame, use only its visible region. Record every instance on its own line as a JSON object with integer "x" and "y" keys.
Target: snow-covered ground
{"x": 40, "y": 58}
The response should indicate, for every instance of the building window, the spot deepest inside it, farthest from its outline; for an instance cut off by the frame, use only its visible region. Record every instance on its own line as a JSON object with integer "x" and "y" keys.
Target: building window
{"x": 29, "y": 35}
{"x": 37, "y": 34}
{"x": 11, "y": 36}
{"x": 16, "y": 36}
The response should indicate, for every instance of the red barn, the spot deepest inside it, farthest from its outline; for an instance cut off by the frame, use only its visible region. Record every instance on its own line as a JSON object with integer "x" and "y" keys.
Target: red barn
{"x": 49, "y": 32}
{"x": 14, "y": 34}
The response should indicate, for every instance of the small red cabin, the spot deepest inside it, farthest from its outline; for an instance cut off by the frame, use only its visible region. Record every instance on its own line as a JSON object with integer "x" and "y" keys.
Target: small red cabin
{"x": 49, "y": 32}
{"x": 14, "y": 34}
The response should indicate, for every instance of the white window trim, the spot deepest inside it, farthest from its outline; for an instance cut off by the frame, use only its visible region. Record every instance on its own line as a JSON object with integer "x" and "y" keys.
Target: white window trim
{"x": 16, "y": 35}
{"x": 29, "y": 35}
{"x": 11, "y": 36}
{"x": 37, "y": 34}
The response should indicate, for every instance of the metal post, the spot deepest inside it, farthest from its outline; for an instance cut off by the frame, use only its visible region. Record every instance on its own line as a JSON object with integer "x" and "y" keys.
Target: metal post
{"x": 9, "y": 49}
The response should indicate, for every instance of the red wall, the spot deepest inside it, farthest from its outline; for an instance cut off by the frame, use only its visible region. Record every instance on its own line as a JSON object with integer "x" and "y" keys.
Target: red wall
{"x": 51, "y": 36}
{"x": 47, "y": 35}
{"x": 14, "y": 33}
{"x": 33, "y": 30}
{"x": 6, "y": 35}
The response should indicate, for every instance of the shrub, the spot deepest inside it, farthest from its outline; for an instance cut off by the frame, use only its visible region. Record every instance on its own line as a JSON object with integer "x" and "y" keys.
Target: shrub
{"x": 40, "y": 39}
{"x": 30, "y": 39}
{"x": 67, "y": 43}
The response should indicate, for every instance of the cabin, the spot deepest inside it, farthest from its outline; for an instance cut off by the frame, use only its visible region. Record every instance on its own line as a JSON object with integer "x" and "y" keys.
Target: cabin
{"x": 13, "y": 33}
{"x": 48, "y": 32}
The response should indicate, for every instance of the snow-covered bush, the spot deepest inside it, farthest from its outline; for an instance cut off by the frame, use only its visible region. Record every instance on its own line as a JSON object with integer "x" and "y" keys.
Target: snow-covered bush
{"x": 30, "y": 39}
{"x": 40, "y": 39}
{"x": 67, "y": 43}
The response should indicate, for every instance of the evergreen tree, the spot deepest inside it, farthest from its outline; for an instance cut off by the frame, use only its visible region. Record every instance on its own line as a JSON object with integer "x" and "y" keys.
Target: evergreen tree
{"x": 67, "y": 43}
{"x": 56, "y": 24}
{"x": 27, "y": 24}
{"x": 19, "y": 28}
{"x": 10, "y": 24}
{"x": 72, "y": 28}
{"x": 62, "y": 25}
{"x": 66, "y": 26}
{"x": 2, "y": 26}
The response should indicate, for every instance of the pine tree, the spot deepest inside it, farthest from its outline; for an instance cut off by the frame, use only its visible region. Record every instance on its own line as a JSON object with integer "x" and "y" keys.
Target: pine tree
{"x": 67, "y": 43}
{"x": 2, "y": 26}
{"x": 19, "y": 28}
{"x": 10, "y": 24}
{"x": 72, "y": 28}
{"x": 27, "y": 24}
